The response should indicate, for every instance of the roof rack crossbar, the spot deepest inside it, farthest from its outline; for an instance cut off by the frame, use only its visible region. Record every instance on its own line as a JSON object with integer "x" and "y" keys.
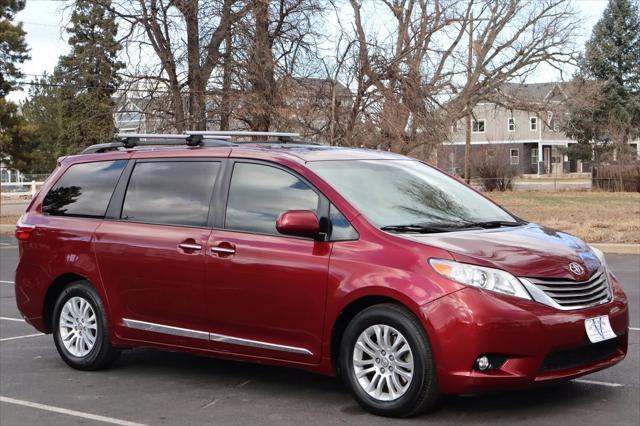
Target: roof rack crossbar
{"x": 280, "y": 136}
{"x": 131, "y": 140}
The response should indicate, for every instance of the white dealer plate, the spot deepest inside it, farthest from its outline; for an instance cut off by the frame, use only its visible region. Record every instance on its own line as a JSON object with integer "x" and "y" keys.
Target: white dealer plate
{"x": 599, "y": 329}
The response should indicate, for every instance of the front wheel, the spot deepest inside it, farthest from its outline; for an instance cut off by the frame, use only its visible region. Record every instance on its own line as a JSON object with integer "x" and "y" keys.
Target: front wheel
{"x": 386, "y": 361}
{"x": 80, "y": 328}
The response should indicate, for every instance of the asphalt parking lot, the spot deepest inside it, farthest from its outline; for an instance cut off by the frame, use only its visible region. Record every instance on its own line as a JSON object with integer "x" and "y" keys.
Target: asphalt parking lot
{"x": 154, "y": 387}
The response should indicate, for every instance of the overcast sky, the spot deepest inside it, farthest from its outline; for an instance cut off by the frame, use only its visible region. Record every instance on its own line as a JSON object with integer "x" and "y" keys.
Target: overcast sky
{"x": 44, "y": 22}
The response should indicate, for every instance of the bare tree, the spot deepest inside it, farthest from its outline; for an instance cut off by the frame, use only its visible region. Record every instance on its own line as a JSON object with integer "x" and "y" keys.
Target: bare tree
{"x": 178, "y": 44}
{"x": 420, "y": 71}
{"x": 276, "y": 40}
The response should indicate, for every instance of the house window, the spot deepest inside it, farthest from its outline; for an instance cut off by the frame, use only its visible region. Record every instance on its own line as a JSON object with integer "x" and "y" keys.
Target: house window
{"x": 534, "y": 156}
{"x": 553, "y": 123}
{"x": 514, "y": 155}
{"x": 533, "y": 123}
{"x": 511, "y": 124}
{"x": 478, "y": 126}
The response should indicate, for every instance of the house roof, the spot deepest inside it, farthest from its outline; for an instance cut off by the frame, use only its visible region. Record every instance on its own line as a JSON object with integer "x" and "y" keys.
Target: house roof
{"x": 534, "y": 92}
{"x": 321, "y": 86}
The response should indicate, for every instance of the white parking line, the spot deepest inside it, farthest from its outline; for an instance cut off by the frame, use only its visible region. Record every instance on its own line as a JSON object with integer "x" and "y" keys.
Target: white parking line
{"x": 12, "y": 319}
{"x": 634, "y": 328}
{"x": 595, "y": 382}
{"x": 74, "y": 413}
{"x": 6, "y": 339}
{"x": 7, "y": 282}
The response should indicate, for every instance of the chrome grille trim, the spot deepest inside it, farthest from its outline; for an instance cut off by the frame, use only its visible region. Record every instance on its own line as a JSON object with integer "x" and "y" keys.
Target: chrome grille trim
{"x": 570, "y": 295}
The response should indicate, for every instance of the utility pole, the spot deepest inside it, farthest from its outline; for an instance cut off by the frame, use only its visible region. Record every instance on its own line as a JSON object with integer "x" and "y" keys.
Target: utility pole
{"x": 467, "y": 136}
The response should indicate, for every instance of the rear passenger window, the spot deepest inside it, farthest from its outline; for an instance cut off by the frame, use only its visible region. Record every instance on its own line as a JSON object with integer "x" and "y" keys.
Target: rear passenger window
{"x": 84, "y": 190}
{"x": 170, "y": 192}
{"x": 259, "y": 193}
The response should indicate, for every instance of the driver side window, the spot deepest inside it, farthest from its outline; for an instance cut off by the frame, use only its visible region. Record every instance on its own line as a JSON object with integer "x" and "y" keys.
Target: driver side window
{"x": 259, "y": 193}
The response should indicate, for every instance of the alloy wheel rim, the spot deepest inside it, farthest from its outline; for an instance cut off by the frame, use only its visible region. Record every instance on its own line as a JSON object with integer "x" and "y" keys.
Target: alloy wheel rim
{"x": 78, "y": 326}
{"x": 383, "y": 362}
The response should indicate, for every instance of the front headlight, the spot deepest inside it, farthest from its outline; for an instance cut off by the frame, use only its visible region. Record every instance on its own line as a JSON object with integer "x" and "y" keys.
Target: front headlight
{"x": 600, "y": 255}
{"x": 481, "y": 277}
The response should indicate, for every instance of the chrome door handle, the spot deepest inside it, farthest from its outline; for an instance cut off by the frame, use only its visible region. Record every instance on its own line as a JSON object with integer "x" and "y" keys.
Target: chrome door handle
{"x": 223, "y": 250}
{"x": 188, "y": 246}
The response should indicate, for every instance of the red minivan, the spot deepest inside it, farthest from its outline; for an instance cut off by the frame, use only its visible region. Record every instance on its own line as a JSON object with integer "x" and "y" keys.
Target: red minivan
{"x": 374, "y": 266}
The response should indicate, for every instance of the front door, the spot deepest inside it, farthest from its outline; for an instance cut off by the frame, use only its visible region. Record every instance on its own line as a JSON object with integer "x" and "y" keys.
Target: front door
{"x": 152, "y": 257}
{"x": 265, "y": 291}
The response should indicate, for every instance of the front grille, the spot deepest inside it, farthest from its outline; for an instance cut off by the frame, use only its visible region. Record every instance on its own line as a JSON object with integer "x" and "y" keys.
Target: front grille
{"x": 576, "y": 294}
{"x": 581, "y": 356}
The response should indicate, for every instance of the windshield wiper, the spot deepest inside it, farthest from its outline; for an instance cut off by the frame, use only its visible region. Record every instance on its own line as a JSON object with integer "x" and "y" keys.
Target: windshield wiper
{"x": 492, "y": 224}
{"x": 422, "y": 228}
{"x": 426, "y": 228}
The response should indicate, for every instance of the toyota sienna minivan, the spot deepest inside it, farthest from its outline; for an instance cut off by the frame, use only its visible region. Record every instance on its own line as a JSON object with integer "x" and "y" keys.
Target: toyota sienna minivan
{"x": 365, "y": 264}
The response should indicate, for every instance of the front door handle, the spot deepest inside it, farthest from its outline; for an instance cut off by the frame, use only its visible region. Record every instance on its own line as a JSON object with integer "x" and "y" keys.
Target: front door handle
{"x": 223, "y": 250}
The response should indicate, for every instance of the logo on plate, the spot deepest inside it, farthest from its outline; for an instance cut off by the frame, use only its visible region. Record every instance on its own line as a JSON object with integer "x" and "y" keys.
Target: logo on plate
{"x": 576, "y": 268}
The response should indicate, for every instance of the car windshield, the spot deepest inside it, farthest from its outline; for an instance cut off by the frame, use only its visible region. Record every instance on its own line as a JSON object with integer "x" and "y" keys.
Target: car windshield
{"x": 397, "y": 193}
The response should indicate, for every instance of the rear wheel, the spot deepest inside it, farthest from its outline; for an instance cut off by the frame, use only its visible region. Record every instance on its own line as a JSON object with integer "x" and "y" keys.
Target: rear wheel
{"x": 386, "y": 361}
{"x": 80, "y": 328}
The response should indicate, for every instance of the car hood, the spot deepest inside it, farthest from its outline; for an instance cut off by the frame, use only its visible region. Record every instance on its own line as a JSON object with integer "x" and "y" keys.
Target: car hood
{"x": 525, "y": 251}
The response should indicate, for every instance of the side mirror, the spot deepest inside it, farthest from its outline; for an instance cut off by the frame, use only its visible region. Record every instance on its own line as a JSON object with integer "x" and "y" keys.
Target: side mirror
{"x": 299, "y": 223}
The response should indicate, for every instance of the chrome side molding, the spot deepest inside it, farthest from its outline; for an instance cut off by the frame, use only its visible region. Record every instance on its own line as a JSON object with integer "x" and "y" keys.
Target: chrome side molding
{"x": 214, "y": 337}
{"x": 166, "y": 329}
{"x": 257, "y": 344}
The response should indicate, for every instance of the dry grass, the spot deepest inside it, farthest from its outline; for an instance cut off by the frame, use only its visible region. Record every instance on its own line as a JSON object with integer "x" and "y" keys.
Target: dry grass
{"x": 596, "y": 217}
{"x": 9, "y": 220}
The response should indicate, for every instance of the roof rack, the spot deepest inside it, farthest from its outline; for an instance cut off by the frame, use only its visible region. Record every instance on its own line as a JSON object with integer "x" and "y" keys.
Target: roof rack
{"x": 280, "y": 136}
{"x": 130, "y": 140}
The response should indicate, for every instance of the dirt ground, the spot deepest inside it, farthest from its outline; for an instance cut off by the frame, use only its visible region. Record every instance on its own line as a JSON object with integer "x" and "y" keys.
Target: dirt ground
{"x": 596, "y": 217}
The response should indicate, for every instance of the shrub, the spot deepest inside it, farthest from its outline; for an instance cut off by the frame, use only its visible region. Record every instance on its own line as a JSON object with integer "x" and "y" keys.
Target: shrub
{"x": 617, "y": 177}
{"x": 492, "y": 169}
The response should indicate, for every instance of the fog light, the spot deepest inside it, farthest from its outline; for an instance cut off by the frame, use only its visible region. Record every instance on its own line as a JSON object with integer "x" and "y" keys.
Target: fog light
{"x": 483, "y": 363}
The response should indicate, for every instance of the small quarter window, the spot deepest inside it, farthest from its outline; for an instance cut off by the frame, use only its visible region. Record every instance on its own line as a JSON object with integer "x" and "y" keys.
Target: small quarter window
{"x": 84, "y": 190}
{"x": 341, "y": 229}
{"x": 533, "y": 123}
{"x": 170, "y": 192}
{"x": 511, "y": 124}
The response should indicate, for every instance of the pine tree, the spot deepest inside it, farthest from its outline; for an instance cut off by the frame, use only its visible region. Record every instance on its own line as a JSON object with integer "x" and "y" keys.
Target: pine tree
{"x": 88, "y": 76}
{"x": 43, "y": 110}
{"x": 612, "y": 64}
{"x": 14, "y": 130}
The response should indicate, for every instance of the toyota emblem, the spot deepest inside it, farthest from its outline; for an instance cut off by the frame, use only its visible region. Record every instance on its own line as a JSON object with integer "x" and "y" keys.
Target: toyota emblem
{"x": 576, "y": 268}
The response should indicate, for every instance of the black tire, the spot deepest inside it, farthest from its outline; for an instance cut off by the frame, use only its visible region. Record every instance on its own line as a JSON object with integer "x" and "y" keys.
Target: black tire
{"x": 102, "y": 354}
{"x": 422, "y": 392}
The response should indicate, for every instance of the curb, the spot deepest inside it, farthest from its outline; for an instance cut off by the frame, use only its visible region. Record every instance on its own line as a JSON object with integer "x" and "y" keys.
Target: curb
{"x": 7, "y": 228}
{"x": 618, "y": 248}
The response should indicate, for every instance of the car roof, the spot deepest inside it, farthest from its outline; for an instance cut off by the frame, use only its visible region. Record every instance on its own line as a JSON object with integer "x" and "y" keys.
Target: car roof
{"x": 301, "y": 153}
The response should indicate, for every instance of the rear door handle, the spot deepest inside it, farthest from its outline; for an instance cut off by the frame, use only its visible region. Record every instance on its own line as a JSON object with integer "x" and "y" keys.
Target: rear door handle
{"x": 190, "y": 246}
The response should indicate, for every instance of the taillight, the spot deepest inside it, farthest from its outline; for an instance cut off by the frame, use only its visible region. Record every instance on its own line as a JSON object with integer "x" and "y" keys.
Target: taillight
{"x": 23, "y": 232}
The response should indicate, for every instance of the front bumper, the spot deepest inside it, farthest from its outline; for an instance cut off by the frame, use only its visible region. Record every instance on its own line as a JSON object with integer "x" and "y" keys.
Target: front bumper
{"x": 540, "y": 343}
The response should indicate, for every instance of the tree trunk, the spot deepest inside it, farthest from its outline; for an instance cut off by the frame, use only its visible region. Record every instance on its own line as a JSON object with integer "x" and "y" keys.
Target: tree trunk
{"x": 225, "y": 107}
{"x": 196, "y": 83}
{"x": 261, "y": 69}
